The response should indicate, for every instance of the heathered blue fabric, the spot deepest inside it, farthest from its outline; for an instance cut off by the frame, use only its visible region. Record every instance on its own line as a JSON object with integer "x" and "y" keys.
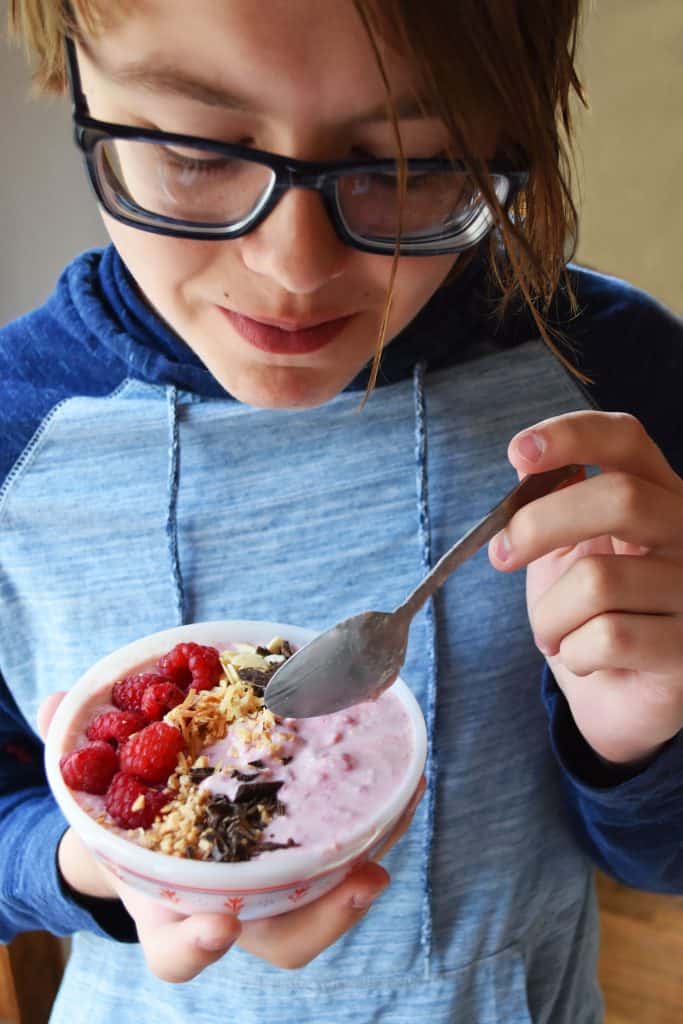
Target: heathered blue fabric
{"x": 136, "y": 493}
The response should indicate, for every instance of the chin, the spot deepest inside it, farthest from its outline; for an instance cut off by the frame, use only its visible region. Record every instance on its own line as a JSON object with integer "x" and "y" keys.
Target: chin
{"x": 283, "y": 387}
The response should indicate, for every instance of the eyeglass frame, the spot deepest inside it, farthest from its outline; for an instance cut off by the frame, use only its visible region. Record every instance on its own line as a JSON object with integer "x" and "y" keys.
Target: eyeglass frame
{"x": 289, "y": 173}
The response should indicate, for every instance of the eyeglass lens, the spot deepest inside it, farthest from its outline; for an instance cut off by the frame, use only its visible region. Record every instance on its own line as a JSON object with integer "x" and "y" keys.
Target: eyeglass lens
{"x": 192, "y": 185}
{"x": 148, "y": 180}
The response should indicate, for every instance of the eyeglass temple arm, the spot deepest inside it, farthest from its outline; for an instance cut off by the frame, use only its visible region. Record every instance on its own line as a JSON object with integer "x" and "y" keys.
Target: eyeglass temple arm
{"x": 80, "y": 104}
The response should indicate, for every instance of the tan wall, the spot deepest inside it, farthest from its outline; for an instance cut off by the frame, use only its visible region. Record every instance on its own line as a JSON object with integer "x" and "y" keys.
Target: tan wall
{"x": 631, "y": 143}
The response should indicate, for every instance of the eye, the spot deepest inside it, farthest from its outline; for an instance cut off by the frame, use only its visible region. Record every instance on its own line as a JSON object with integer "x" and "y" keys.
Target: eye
{"x": 191, "y": 162}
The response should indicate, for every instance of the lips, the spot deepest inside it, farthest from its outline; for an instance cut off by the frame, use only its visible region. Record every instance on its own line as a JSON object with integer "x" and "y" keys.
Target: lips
{"x": 285, "y": 339}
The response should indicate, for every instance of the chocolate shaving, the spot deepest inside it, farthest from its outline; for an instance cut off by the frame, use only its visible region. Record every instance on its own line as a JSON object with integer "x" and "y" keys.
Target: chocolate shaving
{"x": 287, "y": 759}
{"x": 256, "y": 677}
{"x": 263, "y": 847}
{"x": 236, "y": 774}
{"x": 258, "y": 791}
{"x": 235, "y": 827}
{"x": 263, "y": 651}
{"x": 256, "y": 764}
{"x": 199, "y": 774}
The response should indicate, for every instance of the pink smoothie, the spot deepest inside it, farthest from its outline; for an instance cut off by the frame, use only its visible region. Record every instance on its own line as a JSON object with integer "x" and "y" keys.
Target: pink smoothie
{"x": 344, "y": 767}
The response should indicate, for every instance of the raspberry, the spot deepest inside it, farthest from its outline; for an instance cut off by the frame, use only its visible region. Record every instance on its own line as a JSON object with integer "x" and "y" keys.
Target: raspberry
{"x": 127, "y": 693}
{"x": 123, "y": 792}
{"x": 115, "y": 725}
{"x": 151, "y": 754}
{"x": 192, "y": 665}
{"x": 206, "y": 668}
{"x": 158, "y": 699}
{"x": 175, "y": 665}
{"x": 91, "y": 768}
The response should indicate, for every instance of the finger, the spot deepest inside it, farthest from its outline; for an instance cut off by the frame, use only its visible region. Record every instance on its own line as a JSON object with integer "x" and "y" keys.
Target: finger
{"x": 609, "y": 440}
{"x": 47, "y": 709}
{"x": 601, "y": 583}
{"x": 179, "y": 950}
{"x": 292, "y": 940}
{"x": 619, "y": 641}
{"x": 82, "y": 870}
{"x": 616, "y": 504}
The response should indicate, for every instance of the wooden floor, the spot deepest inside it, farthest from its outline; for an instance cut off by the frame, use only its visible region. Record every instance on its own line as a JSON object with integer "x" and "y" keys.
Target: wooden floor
{"x": 641, "y": 965}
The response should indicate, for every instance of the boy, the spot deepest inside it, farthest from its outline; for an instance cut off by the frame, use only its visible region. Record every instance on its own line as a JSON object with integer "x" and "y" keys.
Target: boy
{"x": 185, "y": 401}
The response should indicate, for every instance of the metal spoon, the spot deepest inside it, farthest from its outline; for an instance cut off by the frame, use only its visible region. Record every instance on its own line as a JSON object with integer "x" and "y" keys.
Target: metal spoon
{"x": 360, "y": 657}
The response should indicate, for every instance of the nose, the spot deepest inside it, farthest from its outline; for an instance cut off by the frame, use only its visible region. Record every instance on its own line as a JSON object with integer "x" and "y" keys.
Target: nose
{"x": 296, "y": 245}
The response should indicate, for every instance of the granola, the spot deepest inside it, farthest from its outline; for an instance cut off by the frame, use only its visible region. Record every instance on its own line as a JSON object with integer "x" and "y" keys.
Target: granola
{"x": 195, "y": 824}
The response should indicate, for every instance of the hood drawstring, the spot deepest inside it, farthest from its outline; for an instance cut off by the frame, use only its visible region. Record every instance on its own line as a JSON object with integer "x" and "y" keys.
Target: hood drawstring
{"x": 425, "y": 539}
{"x": 424, "y": 536}
{"x": 172, "y": 514}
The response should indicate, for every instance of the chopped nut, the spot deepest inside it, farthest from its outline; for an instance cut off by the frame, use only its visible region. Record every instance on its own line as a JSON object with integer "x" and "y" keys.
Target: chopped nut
{"x": 275, "y": 659}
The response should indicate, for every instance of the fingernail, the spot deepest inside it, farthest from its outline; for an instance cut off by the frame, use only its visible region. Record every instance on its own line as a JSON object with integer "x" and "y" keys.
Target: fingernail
{"x": 362, "y": 900}
{"x": 501, "y": 546}
{"x": 215, "y": 943}
{"x": 531, "y": 446}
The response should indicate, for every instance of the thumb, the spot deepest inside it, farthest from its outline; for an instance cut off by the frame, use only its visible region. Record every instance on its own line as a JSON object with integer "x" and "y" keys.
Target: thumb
{"x": 179, "y": 950}
{"x": 47, "y": 709}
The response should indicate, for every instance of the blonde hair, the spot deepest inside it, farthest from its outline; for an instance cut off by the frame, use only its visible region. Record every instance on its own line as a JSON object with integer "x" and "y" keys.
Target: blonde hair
{"x": 478, "y": 62}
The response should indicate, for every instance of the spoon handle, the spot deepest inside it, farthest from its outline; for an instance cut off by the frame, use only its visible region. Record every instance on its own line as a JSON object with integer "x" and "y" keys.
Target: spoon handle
{"x": 536, "y": 485}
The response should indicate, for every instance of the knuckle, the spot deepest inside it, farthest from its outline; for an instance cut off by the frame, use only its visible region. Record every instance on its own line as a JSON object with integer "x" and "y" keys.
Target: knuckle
{"x": 612, "y": 636}
{"x": 631, "y": 425}
{"x": 525, "y": 527}
{"x": 594, "y": 579}
{"x": 627, "y": 496}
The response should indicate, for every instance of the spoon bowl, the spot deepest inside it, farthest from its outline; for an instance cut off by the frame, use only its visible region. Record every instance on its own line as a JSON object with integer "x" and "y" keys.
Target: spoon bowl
{"x": 368, "y": 646}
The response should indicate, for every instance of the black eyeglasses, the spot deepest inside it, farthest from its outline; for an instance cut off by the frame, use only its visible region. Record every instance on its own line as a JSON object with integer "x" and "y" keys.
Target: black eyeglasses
{"x": 190, "y": 187}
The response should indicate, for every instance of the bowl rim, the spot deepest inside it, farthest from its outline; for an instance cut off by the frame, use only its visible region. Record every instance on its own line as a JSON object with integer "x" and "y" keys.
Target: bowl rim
{"x": 282, "y": 867}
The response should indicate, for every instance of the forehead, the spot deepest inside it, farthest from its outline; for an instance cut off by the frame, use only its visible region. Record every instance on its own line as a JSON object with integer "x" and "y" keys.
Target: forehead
{"x": 301, "y": 58}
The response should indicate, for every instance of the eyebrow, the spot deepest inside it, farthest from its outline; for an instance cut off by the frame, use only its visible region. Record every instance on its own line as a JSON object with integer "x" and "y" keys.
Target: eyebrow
{"x": 165, "y": 78}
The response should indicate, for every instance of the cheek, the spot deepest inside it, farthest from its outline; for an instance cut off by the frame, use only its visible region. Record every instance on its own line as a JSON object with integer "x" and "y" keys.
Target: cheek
{"x": 164, "y": 268}
{"x": 416, "y": 281}
{"x": 417, "y": 278}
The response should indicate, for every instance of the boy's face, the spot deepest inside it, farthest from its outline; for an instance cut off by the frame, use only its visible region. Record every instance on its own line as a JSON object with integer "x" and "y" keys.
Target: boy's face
{"x": 305, "y": 78}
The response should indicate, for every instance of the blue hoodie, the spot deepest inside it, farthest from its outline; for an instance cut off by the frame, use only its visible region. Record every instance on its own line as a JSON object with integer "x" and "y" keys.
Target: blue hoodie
{"x": 136, "y": 494}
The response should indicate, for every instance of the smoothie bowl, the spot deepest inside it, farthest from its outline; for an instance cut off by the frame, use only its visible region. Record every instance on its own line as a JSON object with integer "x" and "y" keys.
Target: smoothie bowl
{"x": 166, "y": 762}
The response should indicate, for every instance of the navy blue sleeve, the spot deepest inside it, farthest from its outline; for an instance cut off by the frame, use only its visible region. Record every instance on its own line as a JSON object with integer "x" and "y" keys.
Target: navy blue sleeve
{"x": 631, "y": 348}
{"x": 33, "y": 895}
{"x": 629, "y": 822}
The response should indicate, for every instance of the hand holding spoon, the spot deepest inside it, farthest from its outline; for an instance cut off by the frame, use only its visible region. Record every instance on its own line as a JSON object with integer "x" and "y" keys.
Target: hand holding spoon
{"x": 360, "y": 657}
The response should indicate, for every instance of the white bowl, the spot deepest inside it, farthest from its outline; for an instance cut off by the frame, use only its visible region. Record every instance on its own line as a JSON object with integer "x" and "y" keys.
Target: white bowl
{"x": 270, "y": 884}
